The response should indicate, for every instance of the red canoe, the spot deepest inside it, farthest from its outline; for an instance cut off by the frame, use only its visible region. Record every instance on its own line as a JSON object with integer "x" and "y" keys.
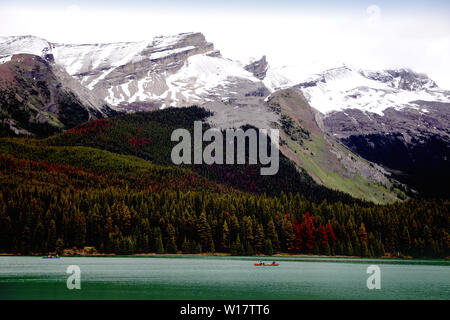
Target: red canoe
{"x": 266, "y": 265}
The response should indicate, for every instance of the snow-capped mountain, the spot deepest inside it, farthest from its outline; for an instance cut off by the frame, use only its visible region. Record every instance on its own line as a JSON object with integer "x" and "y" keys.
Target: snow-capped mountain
{"x": 185, "y": 69}
{"x": 344, "y": 87}
{"x": 352, "y": 105}
{"x": 166, "y": 71}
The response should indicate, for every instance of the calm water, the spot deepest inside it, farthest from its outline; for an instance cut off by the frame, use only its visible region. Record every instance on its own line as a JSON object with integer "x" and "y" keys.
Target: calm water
{"x": 221, "y": 278}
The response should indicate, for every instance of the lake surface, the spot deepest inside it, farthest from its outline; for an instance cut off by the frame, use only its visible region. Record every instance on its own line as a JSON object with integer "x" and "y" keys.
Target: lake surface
{"x": 196, "y": 277}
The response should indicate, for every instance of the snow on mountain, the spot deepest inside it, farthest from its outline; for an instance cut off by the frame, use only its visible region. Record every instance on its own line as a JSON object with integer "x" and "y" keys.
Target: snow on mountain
{"x": 185, "y": 69}
{"x": 5, "y": 59}
{"x": 79, "y": 59}
{"x": 117, "y": 72}
{"x": 171, "y": 72}
{"x": 201, "y": 75}
{"x": 289, "y": 75}
{"x": 24, "y": 44}
{"x": 372, "y": 91}
{"x": 276, "y": 80}
{"x": 346, "y": 87}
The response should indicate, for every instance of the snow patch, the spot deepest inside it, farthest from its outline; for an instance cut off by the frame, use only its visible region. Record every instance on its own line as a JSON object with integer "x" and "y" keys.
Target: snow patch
{"x": 5, "y": 59}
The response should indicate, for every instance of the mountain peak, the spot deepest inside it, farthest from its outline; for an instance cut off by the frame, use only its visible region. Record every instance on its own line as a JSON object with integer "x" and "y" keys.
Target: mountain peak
{"x": 258, "y": 68}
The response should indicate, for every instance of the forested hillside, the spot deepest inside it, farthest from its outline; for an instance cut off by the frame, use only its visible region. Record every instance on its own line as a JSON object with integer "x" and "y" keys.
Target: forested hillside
{"x": 108, "y": 184}
{"x": 147, "y": 135}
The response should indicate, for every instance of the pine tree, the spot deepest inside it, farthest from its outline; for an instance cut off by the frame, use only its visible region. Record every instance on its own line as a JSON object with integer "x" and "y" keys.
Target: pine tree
{"x": 159, "y": 245}
{"x": 195, "y": 247}
{"x": 268, "y": 250}
{"x": 428, "y": 239}
{"x": 52, "y": 236}
{"x": 186, "y": 246}
{"x": 339, "y": 248}
{"x": 272, "y": 234}
{"x": 364, "y": 249}
{"x": 59, "y": 246}
{"x": 26, "y": 240}
{"x": 259, "y": 239}
{"x": 171, "y": 245}
{"x": 249, "y": 249}
{"x": 225, "y": 244}
{"x": 362, "y": 233}
{"x": 237, "y": 248}
{"x": 349, "y": 249}
{"x": 39, "y": 238}
{"x": 248, "y": 230}
{"x": 405, "y": 241}
{"x": 5, "y": 232}
{"x": 379, "y": 248}
{"x": 204, "y": 232}
{"x": 327, "y": 250}
{"x": 287, "y": 235}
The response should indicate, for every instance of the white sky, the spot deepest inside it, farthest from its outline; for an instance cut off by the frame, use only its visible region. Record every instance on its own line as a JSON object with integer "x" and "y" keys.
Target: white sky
{"x": 370, "y": 38}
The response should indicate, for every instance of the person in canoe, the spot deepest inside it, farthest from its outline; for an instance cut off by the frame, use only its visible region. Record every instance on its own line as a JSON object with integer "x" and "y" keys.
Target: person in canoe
{"x": 273, "y": 262}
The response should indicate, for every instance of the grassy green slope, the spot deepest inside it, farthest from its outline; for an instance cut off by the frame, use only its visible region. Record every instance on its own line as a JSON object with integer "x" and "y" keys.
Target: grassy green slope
{"x": 327, "y": 161}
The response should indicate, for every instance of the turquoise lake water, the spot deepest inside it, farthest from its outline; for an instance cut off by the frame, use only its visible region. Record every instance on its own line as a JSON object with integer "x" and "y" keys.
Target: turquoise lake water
{"x": 200, "y": 277}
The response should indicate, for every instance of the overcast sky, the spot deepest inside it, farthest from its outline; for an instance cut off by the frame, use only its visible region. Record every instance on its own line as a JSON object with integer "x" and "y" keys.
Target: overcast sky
{"x": 365, "y": 34}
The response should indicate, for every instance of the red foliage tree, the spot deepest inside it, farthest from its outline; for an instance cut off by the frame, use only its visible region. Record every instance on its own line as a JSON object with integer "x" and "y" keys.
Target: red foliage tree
{"x": 138, "y": 142}
{"x": 330, "y": 234}
{"x": 96, "y": 126}
{"x": 322, "y": 236}
{"x": 298, "y": 237}
{"x": 307, "y": 232}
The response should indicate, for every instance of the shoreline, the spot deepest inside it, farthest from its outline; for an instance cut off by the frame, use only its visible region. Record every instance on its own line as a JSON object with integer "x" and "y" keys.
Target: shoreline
{"x": 225, "y": 255}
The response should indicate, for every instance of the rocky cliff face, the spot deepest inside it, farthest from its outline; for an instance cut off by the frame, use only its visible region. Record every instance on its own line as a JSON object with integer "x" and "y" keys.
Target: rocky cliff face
{"x": 258, "y": 68}
{"x": 414, "y": 143}
{"x": 403, "y": 79}
{"x": 37, "y": 97}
